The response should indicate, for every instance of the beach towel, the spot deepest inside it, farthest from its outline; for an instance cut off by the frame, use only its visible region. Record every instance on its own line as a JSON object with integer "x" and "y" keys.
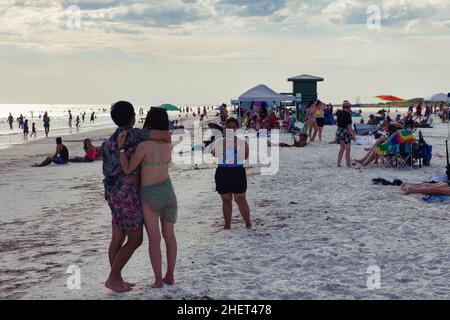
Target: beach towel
{"x": 364, "y": 141}
{"x": 364, "y": 129}
{"x": 436, "y": 199}
{"x": 400, "y": 137}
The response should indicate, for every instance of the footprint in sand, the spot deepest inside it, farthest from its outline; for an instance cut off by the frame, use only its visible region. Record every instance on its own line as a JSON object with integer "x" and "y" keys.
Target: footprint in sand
{"x": 264, "y": 203}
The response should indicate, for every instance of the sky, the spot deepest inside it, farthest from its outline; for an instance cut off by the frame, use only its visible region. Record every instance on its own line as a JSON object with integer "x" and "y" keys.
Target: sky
{"x": 211, "y": 51}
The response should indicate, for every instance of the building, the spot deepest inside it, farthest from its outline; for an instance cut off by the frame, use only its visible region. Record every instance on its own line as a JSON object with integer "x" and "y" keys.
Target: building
{"x": 306, "y": 86}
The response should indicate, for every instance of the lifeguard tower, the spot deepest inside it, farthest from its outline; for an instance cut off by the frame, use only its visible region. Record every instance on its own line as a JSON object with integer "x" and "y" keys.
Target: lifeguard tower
{"x": 305, "y": 86}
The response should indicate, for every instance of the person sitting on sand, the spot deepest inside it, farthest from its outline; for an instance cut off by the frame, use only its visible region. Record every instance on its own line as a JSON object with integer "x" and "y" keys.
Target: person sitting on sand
{"x": 60, "y": 157}
{"x": 230, "y": 177}
{"x": 159, "y": 201}
{"x": 122, "y": 193}
{"x": 90, "y": 150}
{"x": 372, "y": 120}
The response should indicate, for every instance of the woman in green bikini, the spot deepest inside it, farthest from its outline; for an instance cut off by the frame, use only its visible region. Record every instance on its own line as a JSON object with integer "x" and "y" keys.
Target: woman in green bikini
{"x": 159, "y": 201}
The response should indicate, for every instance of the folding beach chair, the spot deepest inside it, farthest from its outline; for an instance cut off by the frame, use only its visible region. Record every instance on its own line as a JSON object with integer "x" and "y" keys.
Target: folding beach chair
{"x": 399, "y": 156}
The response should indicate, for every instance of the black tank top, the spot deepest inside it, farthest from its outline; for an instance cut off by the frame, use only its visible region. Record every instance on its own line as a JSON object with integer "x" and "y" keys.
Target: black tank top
{"x": 64, "y": 153}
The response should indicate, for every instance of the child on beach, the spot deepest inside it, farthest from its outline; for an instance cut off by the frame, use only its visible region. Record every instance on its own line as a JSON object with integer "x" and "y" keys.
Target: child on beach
{"x": 159, "y": 201}
{"x": 33, "y": 130}
{"x": 123, "y": 194}
{"x": 231, "y": 178}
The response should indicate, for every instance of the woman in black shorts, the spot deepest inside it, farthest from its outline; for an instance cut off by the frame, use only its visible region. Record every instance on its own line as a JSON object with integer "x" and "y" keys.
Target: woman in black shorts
{"x": 344, "y": 134}
{"x": 231, "y": 178}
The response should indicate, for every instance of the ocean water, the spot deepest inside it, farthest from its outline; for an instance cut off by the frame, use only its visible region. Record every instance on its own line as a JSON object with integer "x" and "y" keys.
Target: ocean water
{"x": 59, "y": 120}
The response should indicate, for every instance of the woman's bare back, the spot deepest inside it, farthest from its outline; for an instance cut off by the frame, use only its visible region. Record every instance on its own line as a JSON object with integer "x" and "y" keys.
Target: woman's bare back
{"x": 155, "y": 166}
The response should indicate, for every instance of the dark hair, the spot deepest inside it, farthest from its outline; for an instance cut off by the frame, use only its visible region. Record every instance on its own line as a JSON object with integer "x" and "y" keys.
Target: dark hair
{"x": 157, "y": 119}
{"x": 85, "y": 144}
{"x": 392, "y": 129}
{"x": 310, "y": 104}
{"x": 231, "y": 120}
{"x": 58, "y": 140}
{"x": 122, "y": 113}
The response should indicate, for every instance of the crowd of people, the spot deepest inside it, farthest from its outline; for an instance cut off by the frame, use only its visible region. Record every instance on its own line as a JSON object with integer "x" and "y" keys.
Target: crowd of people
{"x": 140, "y": 193}
{"x": 23, "y": 123}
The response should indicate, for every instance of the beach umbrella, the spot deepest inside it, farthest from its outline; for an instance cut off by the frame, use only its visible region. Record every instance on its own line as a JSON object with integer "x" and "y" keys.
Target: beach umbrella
{"x": 389, "y": 98}
{"x": 169, "y": 107}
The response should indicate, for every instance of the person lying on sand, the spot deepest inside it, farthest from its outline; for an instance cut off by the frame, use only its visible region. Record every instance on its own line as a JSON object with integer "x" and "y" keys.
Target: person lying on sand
{"x": 159, "y": 199}
{"x": 90, "y": 150}
{"x": 433, "y": 189}
{"x": 123, "y": 194}
{"x": 60, "y": 157}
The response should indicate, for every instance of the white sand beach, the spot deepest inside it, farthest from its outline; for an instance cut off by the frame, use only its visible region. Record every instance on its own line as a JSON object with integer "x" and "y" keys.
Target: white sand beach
{"x": 316, "y": 230}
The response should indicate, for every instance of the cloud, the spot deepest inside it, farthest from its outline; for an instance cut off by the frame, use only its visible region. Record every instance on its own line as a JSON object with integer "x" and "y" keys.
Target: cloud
{"x": 393, "y": 12}
{"x": 42, "y": 24}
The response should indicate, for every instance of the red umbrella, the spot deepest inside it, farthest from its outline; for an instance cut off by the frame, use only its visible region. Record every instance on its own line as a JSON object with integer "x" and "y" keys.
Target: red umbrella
{"x": 389, "y": 98}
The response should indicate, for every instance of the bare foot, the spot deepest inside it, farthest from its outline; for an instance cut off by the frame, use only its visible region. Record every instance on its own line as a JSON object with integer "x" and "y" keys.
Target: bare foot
{"x": 117, "y": 286}
{"x": 227, "y": 227}
{"x": 169, "y": 279}
{"x": 158, "y": 285}
{"x": 130, "y": 285}
{"x": 248, "y": 226}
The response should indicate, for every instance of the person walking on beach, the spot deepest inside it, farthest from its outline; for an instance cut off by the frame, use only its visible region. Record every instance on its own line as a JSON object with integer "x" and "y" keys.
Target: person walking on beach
{"x": 33, "y": 130}
{"x": 70, "y": 119}
{"x": 10, "y": 121}
{"x": 122, "y": 192}
{"x": 60, "y": 157}
{"x": 223, "y": 114}
{"x": 46, "y": 120}
{"x": 26, "y": 129}
{"x": 159, "y": 201}
{"x": 344, "y": 134}
{"x": 230, "y": 177}
{"x": 20, "y": 120}
{"x": 93, "y": 116}
{"x": 77, "y": 123}
{"x": 83, "y": 116}
{"x": 311, "y": 120}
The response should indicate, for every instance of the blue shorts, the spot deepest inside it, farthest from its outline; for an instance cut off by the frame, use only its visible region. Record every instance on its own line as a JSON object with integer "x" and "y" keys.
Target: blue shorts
{"x": 58, "y": 160}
